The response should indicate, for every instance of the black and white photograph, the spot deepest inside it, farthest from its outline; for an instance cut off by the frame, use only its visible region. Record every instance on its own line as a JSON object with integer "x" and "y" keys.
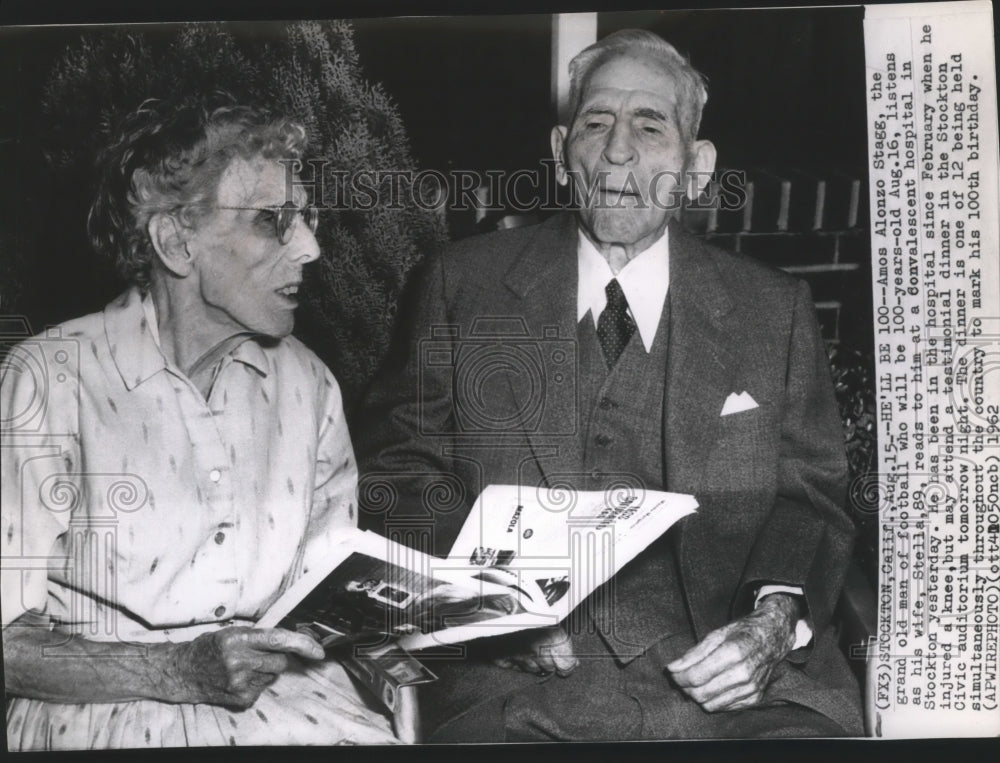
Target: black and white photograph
{"x": 270, "y": 281}
{"x": 350, "y": 607}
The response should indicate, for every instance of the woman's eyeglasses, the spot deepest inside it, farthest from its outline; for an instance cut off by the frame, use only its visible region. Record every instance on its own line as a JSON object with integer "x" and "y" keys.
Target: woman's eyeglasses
{"x": 284, "y": 218}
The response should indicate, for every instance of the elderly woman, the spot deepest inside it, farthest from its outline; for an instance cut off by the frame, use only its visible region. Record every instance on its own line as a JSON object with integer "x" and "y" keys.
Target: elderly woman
{"x": 173, "y": 463}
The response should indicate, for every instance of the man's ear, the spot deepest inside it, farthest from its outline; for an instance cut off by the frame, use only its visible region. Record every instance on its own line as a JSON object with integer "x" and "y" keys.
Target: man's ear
{"x": 169, "y": 240}
{"x": 558, "y": 138}
{"x": 700, "y": 168}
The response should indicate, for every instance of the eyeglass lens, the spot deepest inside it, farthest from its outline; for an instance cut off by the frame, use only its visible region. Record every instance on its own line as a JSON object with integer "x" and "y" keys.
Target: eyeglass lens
{"x": 285, "y": 220}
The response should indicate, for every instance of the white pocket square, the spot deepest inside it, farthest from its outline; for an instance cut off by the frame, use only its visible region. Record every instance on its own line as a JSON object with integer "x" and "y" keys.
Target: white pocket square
{"x": 738, "y": 403}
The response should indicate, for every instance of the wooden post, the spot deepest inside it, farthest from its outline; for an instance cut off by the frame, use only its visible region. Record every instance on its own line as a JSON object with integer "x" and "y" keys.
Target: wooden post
{"x": 571, "y": 33}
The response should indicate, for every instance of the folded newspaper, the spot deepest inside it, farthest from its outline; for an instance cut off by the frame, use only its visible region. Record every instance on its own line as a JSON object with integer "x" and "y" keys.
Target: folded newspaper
{"x": 523, "y": 559}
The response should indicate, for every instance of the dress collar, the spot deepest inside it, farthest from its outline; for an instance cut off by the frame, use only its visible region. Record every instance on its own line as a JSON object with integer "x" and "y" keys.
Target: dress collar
{"x": 131, "y": 327}
{"x": 644, "y": 280}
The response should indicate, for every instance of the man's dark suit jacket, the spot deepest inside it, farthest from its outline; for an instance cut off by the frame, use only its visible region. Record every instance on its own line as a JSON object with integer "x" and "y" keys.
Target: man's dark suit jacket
{"x": 770, "y": 482}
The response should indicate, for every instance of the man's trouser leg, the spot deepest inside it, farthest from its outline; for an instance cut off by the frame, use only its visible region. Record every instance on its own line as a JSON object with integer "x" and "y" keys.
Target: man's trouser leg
{"x": 604, "y": 700}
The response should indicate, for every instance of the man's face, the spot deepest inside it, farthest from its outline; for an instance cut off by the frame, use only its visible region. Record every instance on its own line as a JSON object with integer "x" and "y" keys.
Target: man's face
{"x": 248, "y": 280}
{"x": 625, "y": 153}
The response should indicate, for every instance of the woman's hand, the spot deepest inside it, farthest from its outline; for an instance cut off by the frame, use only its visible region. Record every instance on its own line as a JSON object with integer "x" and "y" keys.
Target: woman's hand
{"x": 232, "y": 666}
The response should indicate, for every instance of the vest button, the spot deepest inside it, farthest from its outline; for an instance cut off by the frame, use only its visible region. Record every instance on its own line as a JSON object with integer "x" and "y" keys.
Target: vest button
{"x": 220, "y": 537}
{"x": 220, "y": 611}
{"x": 603, "y": 440}
{"x": 606, "y": 404}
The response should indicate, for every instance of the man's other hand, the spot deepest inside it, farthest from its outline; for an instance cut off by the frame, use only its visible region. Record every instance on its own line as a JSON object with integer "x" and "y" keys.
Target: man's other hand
{"x": 545, "y": 651}
{"x": 731, "y": 667}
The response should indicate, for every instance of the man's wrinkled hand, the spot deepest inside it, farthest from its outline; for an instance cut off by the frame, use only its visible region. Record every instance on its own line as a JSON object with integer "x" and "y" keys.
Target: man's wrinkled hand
{"x": 232, "y": 666}
{"x": 731, "y": 667}
{"x": 545, "y": 651}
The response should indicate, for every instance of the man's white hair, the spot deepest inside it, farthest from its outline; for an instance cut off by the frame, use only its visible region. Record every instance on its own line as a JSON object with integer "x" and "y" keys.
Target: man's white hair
{"x": 692, "y": 92}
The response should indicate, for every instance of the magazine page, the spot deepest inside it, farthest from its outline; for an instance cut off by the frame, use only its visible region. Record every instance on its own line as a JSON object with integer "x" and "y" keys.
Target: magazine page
{"x": 558, "y": 554}
{"x": 570, "y": 541}
{"x": 378, "y": 591}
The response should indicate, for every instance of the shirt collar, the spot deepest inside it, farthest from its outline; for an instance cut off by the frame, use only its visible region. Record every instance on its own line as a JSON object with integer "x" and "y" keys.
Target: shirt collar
{"x": 132, "y": 338}
{"x": 131, "y": 326}
{"x": 644, "y": 280}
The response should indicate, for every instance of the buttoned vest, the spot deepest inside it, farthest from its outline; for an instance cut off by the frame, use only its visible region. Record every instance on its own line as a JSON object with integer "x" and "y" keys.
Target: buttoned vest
{"x": 621, "y": 443}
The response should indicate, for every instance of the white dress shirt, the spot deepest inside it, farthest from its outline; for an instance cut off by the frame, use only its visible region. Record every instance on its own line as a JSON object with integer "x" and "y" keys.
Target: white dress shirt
{"x": 644, "y": 281}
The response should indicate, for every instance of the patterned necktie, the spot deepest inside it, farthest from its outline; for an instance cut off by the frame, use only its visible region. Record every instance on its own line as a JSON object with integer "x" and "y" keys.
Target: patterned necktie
{"x": 615, "y": 326}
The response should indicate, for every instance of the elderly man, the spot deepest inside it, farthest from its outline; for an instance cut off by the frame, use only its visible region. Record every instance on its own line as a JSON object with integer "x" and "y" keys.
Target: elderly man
{"x": 185, "y": 463}
{"x": 696, "y": 371}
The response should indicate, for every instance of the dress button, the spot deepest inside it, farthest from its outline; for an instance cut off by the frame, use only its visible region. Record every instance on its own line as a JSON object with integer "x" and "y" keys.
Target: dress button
{"x": 215, "y": 475}
{"x": 220, "y": 611}
{"x": 219, "y": 537}
{"x": 603, "y": 440}
{"x": 606, "y": 404}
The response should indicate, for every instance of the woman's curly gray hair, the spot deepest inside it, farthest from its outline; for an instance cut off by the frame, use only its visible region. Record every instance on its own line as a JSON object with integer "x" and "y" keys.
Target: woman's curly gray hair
{"x": 168, "y": 157}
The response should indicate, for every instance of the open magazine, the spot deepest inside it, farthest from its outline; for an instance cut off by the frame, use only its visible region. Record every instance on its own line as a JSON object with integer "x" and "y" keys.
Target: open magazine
{"x": 520, "y": 561}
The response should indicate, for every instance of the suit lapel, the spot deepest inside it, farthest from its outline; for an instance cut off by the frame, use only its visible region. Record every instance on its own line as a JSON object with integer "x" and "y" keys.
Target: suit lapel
{"x": 700, "y": 360}
{"x": 701, "y": 365}
{"x": 542, "y": 282}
